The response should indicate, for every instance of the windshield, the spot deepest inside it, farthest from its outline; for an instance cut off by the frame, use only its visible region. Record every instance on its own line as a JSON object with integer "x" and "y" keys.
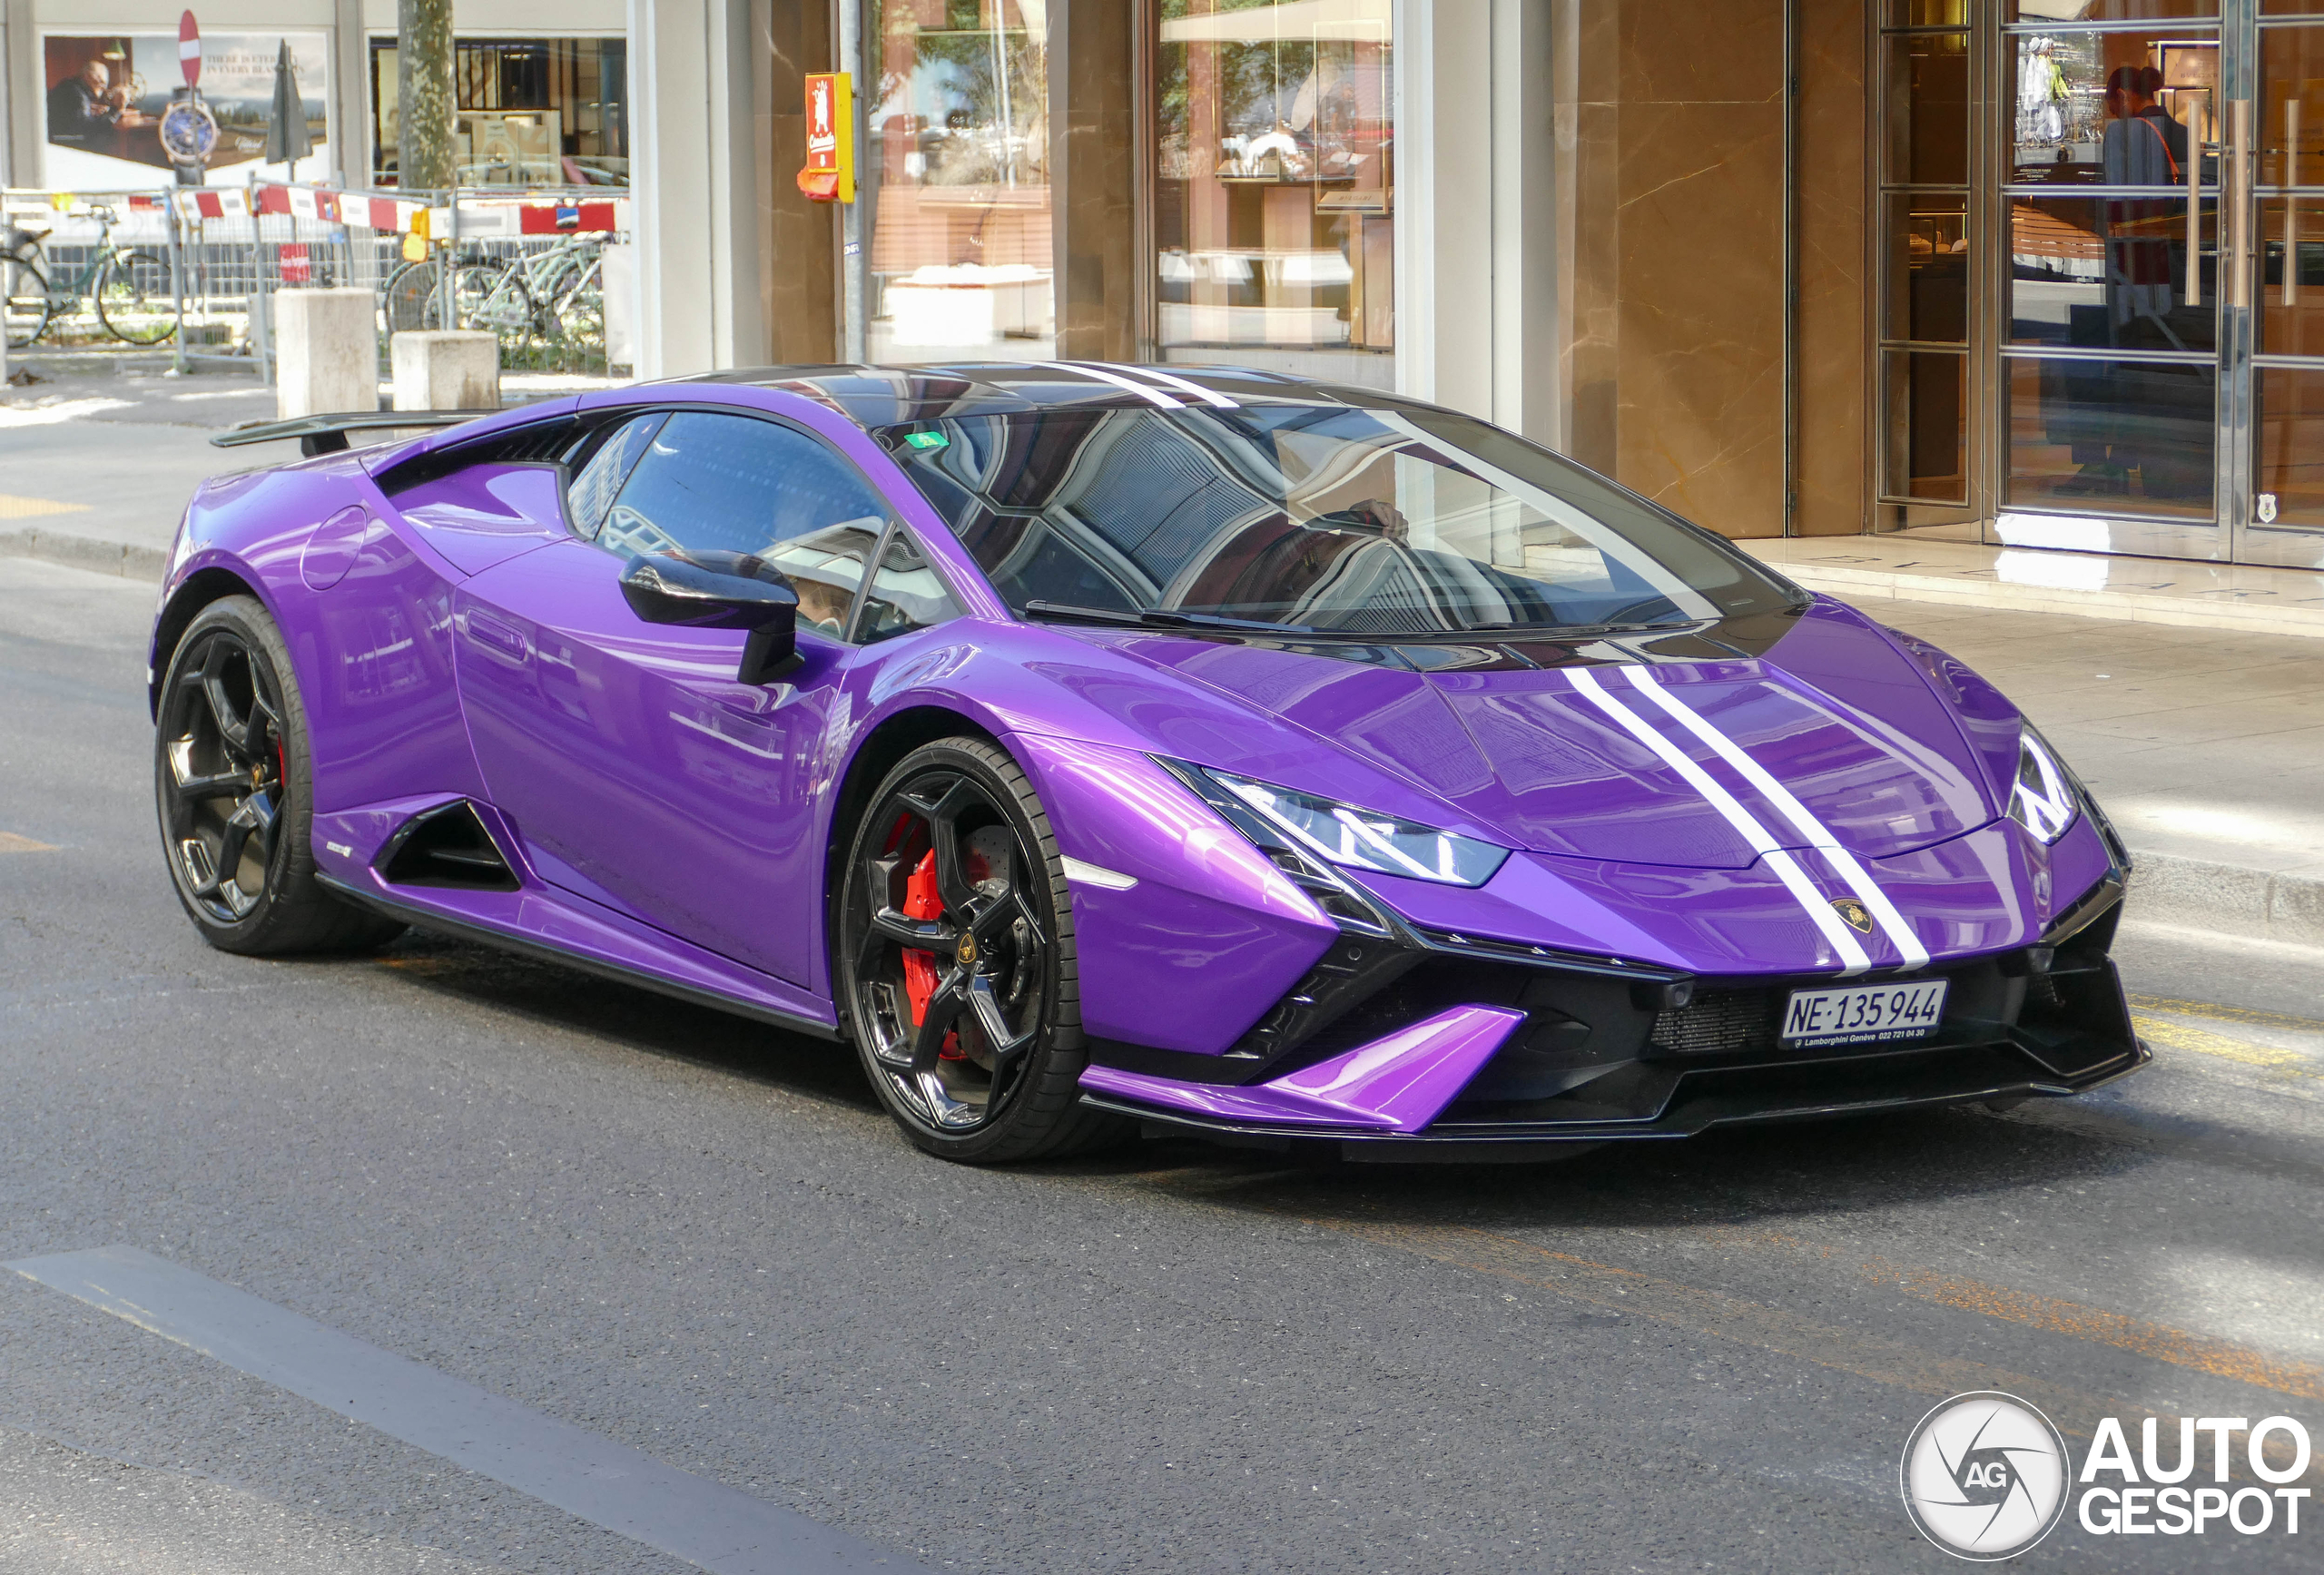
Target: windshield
{"x": 1387, "y": 522}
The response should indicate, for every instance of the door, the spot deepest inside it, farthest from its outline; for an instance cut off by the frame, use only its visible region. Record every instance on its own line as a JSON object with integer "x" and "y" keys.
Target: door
{"x": 634, "y": 767}
{"x": 2283, "y": 429}
{"x": 2116, "y": 358}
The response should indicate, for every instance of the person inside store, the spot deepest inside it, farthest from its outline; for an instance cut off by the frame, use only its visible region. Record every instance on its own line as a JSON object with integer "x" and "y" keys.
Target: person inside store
{"x": 84, "y": 108}
{"x": 2143, "y": 419}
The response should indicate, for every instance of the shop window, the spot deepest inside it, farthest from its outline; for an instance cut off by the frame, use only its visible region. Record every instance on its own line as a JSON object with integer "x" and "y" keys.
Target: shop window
{"x": 956, "y": 189}
{"x": 1273, "y": 214}
{"x": 533, "y": 112}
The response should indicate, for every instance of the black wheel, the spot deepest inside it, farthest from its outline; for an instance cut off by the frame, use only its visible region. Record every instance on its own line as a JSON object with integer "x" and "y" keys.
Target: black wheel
{"x": 231, "y": 779}
{"x": 135, "y": 299}
{"x": 28, "y": 305}
{"x": 409, "y": 299}
{"x": 954, "y": 954}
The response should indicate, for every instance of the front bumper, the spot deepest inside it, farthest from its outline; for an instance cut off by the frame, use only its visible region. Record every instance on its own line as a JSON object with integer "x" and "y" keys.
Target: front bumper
{"x": 1587, "y": 1052}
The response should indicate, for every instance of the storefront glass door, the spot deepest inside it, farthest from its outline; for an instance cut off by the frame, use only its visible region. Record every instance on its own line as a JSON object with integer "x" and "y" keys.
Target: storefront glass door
{"x": 2104, "y": 315}
{"x": 2286, "y": 435}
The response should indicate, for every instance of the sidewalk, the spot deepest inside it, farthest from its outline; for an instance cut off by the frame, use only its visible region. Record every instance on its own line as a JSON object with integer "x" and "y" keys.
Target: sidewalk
{"x": 2188, "y": 696}
{"x": 95, "y": 468}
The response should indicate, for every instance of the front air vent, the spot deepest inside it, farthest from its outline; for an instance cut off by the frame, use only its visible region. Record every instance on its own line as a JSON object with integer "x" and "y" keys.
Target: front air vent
{"x": 1720, "y": 1022}
{"x": 445, "y": 847}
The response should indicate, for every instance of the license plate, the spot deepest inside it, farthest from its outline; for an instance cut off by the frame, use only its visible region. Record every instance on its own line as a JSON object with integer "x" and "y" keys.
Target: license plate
{"x": 1864, "y": 1014}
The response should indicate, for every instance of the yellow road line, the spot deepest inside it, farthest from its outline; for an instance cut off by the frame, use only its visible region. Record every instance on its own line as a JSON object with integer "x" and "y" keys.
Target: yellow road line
{"x": 2160, "y": 1341}
{"x": 2203, "y": 1042}
{"x": 16, "y": 508}
{"x": 2225, "y": 1014}
{"x": 1891, "y": 1363}
{"x": 11, "y": 844}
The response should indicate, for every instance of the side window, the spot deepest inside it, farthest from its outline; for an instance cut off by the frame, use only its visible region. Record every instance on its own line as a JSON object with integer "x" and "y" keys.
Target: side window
{"x": 906, "y": 594}
{"x": 592, "y": 491}
{"x": 714, "y": 483}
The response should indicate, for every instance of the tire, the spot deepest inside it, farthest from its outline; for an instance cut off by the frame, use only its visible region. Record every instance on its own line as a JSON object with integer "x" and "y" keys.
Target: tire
{"x": 981, "y": 1061}
{"x": 29, "y": 307}
{"x": 493, "y": 299}
{"x": 408, "y": 299}
{"x": 232, "y": 775}
{"x": 135, "y": 299}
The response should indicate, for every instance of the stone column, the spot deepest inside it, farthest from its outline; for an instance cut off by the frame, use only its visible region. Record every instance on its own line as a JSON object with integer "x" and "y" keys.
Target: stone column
{"x": 326, "y": 352}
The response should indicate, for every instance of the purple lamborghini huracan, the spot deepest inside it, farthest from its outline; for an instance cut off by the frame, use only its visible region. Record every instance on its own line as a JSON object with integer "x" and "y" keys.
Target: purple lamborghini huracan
{"x": 1095, "y": 746}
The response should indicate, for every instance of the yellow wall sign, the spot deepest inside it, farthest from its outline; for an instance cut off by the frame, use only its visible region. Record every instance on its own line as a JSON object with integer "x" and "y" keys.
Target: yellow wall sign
{"x": 830, "y": 174}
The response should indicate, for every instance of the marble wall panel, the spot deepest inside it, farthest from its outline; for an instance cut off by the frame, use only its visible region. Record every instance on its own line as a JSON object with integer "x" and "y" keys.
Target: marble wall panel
{"x": 1698, "y": 206}
{"x": 1834, "y": 317}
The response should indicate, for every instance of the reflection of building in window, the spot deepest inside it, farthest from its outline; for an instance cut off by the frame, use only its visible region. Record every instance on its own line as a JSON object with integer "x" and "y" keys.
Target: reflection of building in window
{"x": 532, "y": 112}
{"x": 960, "y": 205}
{"x": 1275, "y": 185}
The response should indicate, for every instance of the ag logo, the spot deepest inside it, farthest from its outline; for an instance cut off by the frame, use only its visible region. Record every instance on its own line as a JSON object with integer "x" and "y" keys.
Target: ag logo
{"x": 1985, "y": 1476}
{"x": 1859, "y": 917}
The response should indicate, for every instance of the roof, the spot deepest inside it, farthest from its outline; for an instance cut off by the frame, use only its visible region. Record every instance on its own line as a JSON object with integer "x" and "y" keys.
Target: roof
{"x": 873, "y": 396}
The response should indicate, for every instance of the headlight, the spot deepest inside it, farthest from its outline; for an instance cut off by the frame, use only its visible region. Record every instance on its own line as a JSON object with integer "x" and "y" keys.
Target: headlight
{"x": 1361, "y": 839}
{"x": 2043, "y": 799}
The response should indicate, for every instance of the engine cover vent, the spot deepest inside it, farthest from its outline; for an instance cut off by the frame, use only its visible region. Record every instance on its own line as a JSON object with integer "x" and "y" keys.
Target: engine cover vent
{"x": 445, "y": 847}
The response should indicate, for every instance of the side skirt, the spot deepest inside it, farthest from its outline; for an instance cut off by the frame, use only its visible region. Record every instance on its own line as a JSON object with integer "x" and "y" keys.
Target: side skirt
{"x": 524, "y": 946}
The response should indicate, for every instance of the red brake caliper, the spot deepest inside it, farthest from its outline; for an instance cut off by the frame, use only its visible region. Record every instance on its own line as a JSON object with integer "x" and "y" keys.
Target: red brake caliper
{"x": 922, "y": 904}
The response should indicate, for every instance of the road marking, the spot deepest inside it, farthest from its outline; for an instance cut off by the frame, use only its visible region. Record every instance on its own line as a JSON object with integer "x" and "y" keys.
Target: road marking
{"x": 11, "y": 844}
{"x": 2226, "y": 1014}
{"x": 2203, "y": 1042}
{"x": 706, "y": 1524}
{"x": 1699, "y": 1310}
{"x": 2160, "y": 1342}
{"x": 16, "y": 508}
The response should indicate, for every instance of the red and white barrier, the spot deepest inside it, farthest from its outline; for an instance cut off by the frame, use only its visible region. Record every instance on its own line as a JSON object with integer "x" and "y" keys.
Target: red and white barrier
{"x": 481, "y": 219}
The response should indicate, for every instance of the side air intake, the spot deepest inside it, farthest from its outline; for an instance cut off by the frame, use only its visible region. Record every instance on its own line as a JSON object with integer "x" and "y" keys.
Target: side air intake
{"x": 445, "y": 847}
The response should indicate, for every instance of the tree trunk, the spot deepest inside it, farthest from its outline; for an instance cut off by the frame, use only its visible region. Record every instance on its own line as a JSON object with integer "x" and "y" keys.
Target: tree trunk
{"x": 425, "y": 104}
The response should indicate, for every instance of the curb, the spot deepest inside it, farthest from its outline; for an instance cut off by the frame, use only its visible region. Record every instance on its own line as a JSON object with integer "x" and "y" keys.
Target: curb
{"x": 87, "y": 552}
{"x": 2228, "y": 899}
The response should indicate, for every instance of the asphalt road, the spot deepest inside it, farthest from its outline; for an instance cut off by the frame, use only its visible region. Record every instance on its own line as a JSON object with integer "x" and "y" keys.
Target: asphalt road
{"x": 702, "y": 1240}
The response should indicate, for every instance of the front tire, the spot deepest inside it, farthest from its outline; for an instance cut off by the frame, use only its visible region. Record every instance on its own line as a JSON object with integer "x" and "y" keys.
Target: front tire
{"x": 956, "y": 962}
{"x": 232, "y": 786}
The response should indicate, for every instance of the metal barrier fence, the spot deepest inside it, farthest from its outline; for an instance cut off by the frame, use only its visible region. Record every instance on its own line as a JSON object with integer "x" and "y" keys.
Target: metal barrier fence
{"x": 195, "y": 272}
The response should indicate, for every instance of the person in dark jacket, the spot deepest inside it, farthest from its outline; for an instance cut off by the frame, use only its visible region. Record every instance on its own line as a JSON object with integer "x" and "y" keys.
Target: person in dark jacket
{"x": 82, "y": 108}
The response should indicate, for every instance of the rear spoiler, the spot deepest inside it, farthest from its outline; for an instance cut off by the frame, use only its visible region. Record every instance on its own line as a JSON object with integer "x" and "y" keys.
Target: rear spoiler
{"x": 328, "y": 434}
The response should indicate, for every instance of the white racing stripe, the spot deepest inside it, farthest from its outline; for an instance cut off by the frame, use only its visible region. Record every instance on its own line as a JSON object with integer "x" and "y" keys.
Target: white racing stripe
{"x": 1211, "y": 397}
{"x": 1835, "y": 930}
{"x": 1143, "y": 391}
{"x": 1819, "y": 836}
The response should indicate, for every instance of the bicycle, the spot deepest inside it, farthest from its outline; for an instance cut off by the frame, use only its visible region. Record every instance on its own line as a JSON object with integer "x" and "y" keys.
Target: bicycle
{"x": 556, "y": 295}
{"x": 129, "y": 289}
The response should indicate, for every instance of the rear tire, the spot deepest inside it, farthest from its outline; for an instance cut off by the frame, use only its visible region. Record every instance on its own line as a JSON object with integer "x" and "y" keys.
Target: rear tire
{"x": 135, "y": 299}
{"x": 980, "y": 1060}
{"x": 232, "y": 787}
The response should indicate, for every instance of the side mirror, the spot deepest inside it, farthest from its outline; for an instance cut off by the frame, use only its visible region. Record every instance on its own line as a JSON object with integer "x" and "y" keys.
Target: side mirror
{"x": 721, "y": 590}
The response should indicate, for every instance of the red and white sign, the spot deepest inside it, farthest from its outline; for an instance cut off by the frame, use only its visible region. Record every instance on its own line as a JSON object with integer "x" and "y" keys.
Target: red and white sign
{"x": 190, "y": 49}
{"x": 830, "y": 172}
{"x": 297, "y": 267}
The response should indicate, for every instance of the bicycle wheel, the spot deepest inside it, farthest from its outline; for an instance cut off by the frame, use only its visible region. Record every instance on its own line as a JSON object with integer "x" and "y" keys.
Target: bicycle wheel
{"x": 135, "y": 299}
{"x": 581, "y": 313}
{"x": 494, "y": 300}
{"x": 409, "y": 299}
{"x": 28, "y": 306}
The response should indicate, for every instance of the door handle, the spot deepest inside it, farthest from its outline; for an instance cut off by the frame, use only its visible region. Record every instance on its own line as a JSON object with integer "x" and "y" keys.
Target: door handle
{"x": 2198, "y": 134}
{"x": 2235, "y": 202}
{"x": 2291, "y": 202}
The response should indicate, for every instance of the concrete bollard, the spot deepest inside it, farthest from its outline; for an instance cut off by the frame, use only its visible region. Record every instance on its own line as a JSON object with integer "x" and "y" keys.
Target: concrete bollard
{"x": 325, "y": 351}
{"x": 441, "y": 370}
